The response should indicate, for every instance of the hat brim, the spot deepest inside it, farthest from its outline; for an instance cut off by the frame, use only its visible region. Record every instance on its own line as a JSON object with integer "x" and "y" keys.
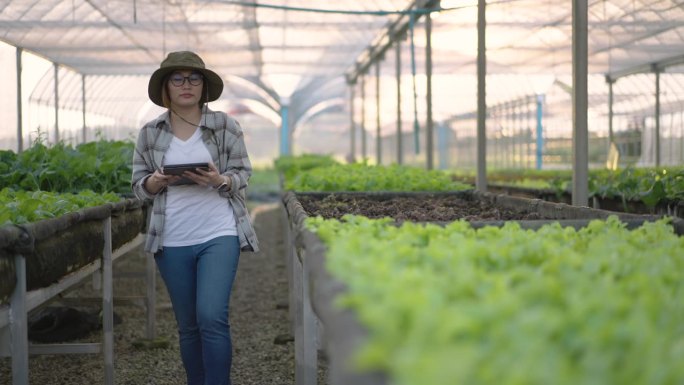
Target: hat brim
{"x": 212, "y": 80}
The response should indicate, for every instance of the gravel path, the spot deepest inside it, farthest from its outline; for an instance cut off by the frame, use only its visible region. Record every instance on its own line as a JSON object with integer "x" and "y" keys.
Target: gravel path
{"x": 259, "y": 314}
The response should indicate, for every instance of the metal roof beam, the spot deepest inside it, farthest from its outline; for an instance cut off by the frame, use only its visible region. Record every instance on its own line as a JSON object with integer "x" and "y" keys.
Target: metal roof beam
{"x": 384, "y": 41}
{"x": 241, "y": 69}
{"x": 646, "y": 68}
{"x": 49, "y": 49}
{"x": 204, "y": 24}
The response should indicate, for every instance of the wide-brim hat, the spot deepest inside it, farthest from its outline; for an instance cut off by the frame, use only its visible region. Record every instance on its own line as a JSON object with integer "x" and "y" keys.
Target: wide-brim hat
{"x": 184, "y": 60}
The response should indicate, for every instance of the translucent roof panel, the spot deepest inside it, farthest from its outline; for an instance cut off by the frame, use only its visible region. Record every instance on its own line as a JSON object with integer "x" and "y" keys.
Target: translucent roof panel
{"x": 323, "y": 38}
{"x": 266, "y": 53}
{"x": 132, "y": 37}
{"x": 536, "y": 36}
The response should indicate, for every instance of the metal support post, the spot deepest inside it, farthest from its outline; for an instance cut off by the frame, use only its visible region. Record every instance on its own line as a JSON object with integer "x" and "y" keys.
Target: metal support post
{"x": 580, "y": 142}
{"x": 657, "y": 116}
{"x": 430, "y": 147}
{"x": 56, "y": 75}
{"x": 107, "y": 304}
{"x": 352, "y": 125}
{"x": 364, "y": 155}
{"x": 306, "y": 350}
{"x": 19, "y": 325}
{"x": 400, "y": 137}
{"x": 481, "y": 180}
{"x": 284, "y": 130}
{"x": 151, "y": 296}
{"x": 83, "y": 105}
{"x": 528, "y": 131}
{"x": 309, "y": 327}
{"x": 521, "y": 134}
{"x": 20, "y": 119}
{"x": 290, "y": 255}
{"x": 443, "y": 145}
{"x": 540, "y": 130}
{"x": 378, "y": 134}
{"x": 610, "y": 110}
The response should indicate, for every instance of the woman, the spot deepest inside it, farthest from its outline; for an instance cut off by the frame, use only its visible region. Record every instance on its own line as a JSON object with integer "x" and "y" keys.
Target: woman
{"x": 196, "y": 229}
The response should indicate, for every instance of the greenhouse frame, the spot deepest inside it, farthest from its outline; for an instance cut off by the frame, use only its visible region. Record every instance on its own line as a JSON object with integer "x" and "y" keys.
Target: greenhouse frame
{"x": 400, "y": 103}
{"x": 371, "y": 73}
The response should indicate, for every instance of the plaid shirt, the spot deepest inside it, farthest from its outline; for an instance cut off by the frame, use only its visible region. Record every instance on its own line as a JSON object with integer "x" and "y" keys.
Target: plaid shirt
{"x": 224, "y": 139}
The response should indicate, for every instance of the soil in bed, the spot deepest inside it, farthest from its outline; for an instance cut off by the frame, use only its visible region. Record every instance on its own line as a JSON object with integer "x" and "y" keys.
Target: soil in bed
{"x": 422, "y": 208}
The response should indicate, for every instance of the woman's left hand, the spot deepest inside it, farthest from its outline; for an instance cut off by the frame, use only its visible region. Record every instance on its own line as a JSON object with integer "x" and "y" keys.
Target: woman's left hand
{"x": 211, "y": 177}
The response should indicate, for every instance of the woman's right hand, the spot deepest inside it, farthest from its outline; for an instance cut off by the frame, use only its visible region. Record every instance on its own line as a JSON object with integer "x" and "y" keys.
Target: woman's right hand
{"x": 158, "y": 181}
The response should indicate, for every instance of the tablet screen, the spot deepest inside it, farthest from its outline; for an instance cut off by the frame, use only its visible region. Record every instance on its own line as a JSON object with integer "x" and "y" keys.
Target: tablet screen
{"x": 179, "y": 169}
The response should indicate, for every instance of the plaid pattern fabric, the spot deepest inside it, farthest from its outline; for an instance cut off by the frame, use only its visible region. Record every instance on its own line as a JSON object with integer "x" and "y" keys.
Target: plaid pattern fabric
{"x": 224, "y": 139}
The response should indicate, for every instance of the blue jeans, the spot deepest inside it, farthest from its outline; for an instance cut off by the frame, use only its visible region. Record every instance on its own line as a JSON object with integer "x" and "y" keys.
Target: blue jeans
{"x": 199, "y": 279}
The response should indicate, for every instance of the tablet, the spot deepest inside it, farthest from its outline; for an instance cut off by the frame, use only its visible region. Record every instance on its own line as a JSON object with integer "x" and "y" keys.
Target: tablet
{"x": 179, "y": 169}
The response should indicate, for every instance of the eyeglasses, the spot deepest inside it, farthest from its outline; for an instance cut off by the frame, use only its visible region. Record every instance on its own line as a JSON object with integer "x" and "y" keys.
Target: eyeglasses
{"x": 194, "y": 79}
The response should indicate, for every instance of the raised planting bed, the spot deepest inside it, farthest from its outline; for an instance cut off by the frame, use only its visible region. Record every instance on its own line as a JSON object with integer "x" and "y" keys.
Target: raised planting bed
{"x": 546, "y": 194}
{"x": 425, "y": 304}
{"x": 669, "y": 207}
{"x": 665, "y": 206}
{"x": 53, "y": 248}
{"x": 314, "y": 291}
{"x": 441, "y": 207}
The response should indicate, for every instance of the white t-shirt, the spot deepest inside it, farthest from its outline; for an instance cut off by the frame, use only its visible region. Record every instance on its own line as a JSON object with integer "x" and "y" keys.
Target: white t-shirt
{"x": 194, "y": 214}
